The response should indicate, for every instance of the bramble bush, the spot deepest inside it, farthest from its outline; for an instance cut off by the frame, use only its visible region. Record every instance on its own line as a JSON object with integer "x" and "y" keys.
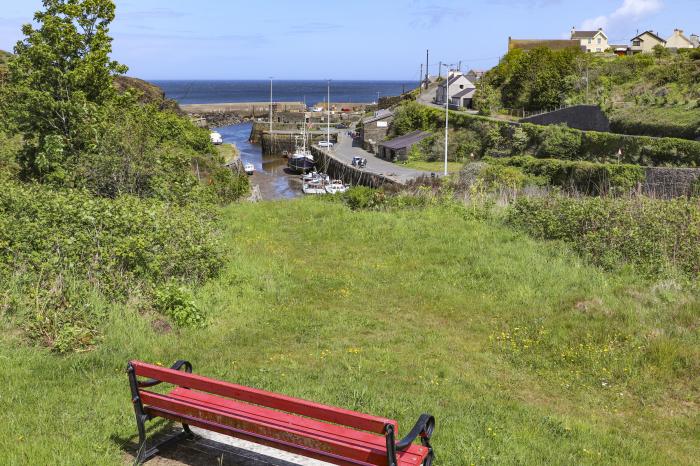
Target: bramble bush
{"x": 176, "y": 302}
{"x": 580, "y": 176}
{"x": 65, "y": 249}
{"x": 659, "y": 238}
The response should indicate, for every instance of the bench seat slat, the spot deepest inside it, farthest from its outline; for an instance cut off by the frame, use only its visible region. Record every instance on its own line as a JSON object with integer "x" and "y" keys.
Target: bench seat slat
{"x": 303, "y": 437}
{"x": 264, "y": 398}
{"x": 289, "y": 420}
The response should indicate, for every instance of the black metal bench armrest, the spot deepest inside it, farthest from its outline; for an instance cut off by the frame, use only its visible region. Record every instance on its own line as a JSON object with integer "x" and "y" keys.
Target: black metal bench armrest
{"x": 177, "y": 366}
{"x": 423, "y": 428}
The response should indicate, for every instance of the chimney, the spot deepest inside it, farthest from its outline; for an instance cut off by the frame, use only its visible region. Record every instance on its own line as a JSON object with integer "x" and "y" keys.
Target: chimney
{"x": 695, "y": 40}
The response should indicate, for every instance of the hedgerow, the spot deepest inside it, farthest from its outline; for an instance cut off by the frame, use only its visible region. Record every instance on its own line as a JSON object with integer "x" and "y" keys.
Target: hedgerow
{"x": 503, "y": 138}
{"x": 583, "y": 177}
{"x": 659, "y": 238}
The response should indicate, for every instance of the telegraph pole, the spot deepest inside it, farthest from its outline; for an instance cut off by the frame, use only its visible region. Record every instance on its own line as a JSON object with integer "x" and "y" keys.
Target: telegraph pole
{"x": 420, "y": 78}
{"x": 427, "y": 67}
{"x": 270, "y": 106}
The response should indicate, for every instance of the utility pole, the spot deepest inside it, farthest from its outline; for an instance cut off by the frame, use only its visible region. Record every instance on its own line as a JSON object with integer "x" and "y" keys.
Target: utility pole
{"x": 427, "y": 67}
{"x": 460, "y": 66}
{"x": 420, "y": 78}
{"x": 328, "y": 123}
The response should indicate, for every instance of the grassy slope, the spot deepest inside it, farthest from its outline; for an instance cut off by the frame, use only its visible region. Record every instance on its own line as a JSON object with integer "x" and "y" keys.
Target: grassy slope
{"x": 437, "y": 167}
{"x": 393, "y": 314}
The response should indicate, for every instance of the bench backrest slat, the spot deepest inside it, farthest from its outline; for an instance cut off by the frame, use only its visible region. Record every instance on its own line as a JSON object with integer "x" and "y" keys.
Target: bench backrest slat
{"x": 261, "y": 397}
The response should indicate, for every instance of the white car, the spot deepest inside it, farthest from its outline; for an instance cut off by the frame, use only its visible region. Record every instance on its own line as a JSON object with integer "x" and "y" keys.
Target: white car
{"x": 325, "y": 144}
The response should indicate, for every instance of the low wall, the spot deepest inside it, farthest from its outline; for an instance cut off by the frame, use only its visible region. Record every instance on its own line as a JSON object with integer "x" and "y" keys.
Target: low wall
{"x": 349, "y": 174}
{"x": 670, "y": 182}
{"x": 583, "y": 117}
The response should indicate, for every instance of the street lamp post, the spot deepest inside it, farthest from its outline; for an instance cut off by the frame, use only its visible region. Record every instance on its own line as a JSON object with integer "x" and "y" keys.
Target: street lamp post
{"x": 271, "y": 106}
{"x": 447, "y": 110}
{"x": 328, "y": 123}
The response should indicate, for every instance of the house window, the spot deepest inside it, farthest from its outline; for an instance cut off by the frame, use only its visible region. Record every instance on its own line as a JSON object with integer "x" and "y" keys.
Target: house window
{"x": 590, "y": 41}
{"x": 599, "y": 41}
{"x": 637, "y": 43}
{"x": 597, "y": 50}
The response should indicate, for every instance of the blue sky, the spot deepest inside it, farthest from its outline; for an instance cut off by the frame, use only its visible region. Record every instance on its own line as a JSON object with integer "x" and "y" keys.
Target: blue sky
{"x": 357, "y": 39}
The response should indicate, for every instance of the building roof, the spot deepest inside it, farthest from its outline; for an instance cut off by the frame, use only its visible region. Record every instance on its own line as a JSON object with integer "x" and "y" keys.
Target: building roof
{"x": 648, "y": 33}
{"x": 378, "y": 115}
{"x": 586, "y": 34}
{"x": 529, "y": 44}
{"x": 407, "y": 140}
{"x": 456, "y": 78}
{"x": 465, "y": 93}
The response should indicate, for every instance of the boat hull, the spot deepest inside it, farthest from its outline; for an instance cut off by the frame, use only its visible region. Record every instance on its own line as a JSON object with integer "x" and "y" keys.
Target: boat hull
{"x": 300, "y": 164}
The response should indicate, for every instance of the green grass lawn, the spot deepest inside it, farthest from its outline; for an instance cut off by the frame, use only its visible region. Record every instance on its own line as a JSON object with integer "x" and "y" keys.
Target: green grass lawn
{"x": 437, "y": 167}
{"x": 524, "y": 354}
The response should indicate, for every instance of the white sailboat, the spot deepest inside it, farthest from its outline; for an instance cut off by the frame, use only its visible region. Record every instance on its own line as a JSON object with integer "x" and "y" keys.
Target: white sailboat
{"x": 301, "y": 160}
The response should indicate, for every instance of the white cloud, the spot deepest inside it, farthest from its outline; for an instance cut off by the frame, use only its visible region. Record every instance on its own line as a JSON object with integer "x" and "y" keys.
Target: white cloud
{"x": 629, "y": 11}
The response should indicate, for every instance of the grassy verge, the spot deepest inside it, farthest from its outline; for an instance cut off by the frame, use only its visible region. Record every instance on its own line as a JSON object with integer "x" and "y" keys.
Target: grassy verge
{"x": 523, "y": 353}
{"x": 437, "y": 167}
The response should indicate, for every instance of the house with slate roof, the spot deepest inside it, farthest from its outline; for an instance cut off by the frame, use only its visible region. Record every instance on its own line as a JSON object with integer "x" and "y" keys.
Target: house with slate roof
{"x": 679, "y": 41}
{"x": 375, "y": 128}
{"x": 591, "y": 41}
{"x": 645, "y": 42}
{"x": 461, "y": 90}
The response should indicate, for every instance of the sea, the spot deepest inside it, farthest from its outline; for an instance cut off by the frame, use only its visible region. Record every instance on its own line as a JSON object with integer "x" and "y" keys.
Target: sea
{"x": 311, "y": 92}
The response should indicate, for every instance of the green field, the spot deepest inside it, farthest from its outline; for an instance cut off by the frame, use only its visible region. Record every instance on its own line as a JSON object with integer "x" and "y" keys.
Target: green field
{"x": 525, "y": 354}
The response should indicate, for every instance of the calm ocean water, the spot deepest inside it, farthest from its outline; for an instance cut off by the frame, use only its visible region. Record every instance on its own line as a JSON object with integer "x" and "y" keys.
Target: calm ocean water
{"x": 208, "y": 92}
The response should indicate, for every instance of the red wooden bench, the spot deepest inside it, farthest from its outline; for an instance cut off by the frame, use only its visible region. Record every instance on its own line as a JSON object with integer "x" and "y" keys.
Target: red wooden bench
{"x": 334, "y": 435}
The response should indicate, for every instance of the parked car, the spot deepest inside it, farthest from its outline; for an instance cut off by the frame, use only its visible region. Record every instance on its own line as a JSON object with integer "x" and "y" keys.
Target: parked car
{"x": 359, "y": 162}
{"x": 341, "y": 126}
{"x": 325, "y": 144}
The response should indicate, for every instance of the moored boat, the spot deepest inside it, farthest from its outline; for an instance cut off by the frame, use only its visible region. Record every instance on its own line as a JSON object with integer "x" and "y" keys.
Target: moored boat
{"x": 249, "y": 168}
{"x": 336, "y": 186}
{"x": 314, "y": 187}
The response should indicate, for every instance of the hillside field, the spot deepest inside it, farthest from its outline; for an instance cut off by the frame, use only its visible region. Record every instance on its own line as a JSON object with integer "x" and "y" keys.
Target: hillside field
{"x": 525, "y": 354}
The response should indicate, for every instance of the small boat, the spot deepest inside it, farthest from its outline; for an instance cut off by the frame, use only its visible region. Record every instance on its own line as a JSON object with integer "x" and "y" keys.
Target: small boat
{"x": 314, "y": 187}
{"x": 216, "y": 138}
{"x": 301, "y": 160}
{"x": 249, "y": 168}
{"x": 315, "y": 176}
{"x": 336, "y": 186}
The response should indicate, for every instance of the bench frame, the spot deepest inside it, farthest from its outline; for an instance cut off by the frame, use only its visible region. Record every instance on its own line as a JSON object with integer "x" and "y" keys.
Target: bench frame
{"x": 423, "y": 428}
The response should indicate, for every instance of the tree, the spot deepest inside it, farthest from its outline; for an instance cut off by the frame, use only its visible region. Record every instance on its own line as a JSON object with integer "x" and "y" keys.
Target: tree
{"x": 59, "y": 78}
{"x": 486, "y": 98}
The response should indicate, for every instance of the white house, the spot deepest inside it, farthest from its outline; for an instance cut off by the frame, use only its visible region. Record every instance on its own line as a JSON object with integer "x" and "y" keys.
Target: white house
{"x": 459, "y": 90}
{"x": 592, "y": 41}
{"x": 679, "y": 41}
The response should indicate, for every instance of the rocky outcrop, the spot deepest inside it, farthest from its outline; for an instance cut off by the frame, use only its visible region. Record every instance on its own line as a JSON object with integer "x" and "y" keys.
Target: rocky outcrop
{"x": 148, "y": 93}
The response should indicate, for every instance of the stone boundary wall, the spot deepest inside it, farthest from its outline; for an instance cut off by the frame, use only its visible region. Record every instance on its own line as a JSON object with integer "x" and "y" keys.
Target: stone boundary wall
{"x": 583, "y": 117}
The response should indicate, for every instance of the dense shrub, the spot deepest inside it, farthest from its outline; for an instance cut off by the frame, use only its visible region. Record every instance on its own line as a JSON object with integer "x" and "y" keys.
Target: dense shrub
{"x": 658, "y": 238}
{"x": 580, "y": 176}
{"x": 61, "y": 249}
{"x": 176, "y": 302}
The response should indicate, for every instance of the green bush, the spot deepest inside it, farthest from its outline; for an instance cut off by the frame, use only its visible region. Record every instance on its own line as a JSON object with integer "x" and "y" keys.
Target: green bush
{"x": 62, "y": 250}
{"x": 658, "y": 238}
{"x": 584, "y": 177}
{"x": 177, "y": 303}
{"x": 558, "y": 141}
